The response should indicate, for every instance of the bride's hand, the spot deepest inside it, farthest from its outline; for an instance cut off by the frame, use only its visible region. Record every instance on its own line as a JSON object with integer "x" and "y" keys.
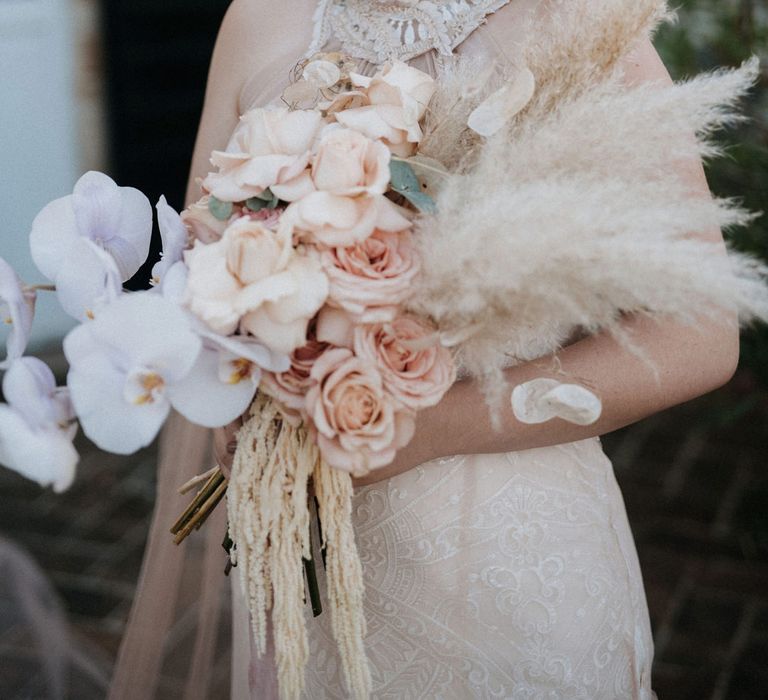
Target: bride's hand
{"x": 225, "y": 444}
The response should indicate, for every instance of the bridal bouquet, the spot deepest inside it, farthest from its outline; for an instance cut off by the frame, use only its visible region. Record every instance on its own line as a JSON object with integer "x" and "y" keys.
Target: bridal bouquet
{"x": 353, "y": 251}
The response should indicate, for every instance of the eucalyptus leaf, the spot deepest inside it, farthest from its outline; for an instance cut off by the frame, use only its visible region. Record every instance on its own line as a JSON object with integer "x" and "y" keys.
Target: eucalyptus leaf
{"x": 422, "y": 201}
{"x": 220, "y": 210}
{"x": 403, "y": 180}
{"x": 256, "y": 204}
{"x": 266, "y": 195}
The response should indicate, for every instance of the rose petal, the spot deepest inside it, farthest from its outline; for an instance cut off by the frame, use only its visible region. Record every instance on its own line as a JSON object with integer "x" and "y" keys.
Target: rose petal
{"x": 500, "y": 106}
{"x": 543, "y": 399}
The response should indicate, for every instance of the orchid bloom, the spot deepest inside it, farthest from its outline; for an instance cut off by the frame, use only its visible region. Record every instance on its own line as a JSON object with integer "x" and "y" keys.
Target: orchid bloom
{"x": 37, "y": 425}
{"x": 91, "y": 241}
{"x": 17, "y": 307}
{"x": 88, "y": 280}
{"x": 124, "y": 366}
{"x": 173, "y": 234}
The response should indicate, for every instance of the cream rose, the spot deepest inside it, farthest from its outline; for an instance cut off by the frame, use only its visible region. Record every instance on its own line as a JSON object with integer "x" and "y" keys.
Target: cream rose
{"x": 369, "y": 279}
{"x": 281, "y": 310}
{"x": 358, "y": 425}
{"x": 397, "y": 98}
{"x": 270, "y": 147}
{"x": 253, "y": 277}
{"x": 201, "y": 224}
{"x": 415, "y": 368}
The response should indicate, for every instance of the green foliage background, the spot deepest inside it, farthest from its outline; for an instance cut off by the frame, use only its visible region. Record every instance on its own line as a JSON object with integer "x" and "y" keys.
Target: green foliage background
{"x": 710, "y": 34}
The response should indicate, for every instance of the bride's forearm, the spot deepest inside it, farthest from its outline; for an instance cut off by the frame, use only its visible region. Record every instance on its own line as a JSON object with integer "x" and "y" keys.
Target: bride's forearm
{"x": 678, "y": 363}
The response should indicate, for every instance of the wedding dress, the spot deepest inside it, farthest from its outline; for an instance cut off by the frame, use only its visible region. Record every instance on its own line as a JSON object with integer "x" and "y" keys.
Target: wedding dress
{"x": 486, "y": 576}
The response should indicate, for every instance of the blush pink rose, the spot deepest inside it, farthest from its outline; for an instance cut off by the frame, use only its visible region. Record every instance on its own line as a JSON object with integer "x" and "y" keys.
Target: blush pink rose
{"x": 336, "y": 220}
{"x": 415, "y": 368}
{"x": 201, "y": 224}
{"x": 270, "y": 146}
{"x": 290, "y": 388}
{"x": 370, "y": 279}
{"x": 348, "y": 163}
{"x": 358, "y": 424}
{"x": 396, "y": 99}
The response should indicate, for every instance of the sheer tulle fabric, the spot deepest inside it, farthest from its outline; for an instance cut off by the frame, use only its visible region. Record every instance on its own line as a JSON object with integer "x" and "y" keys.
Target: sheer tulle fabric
{"x": 511, "y": 575}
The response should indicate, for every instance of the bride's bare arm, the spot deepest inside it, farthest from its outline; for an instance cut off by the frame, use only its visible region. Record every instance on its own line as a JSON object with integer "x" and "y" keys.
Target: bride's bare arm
{"x": 689, "y": 361}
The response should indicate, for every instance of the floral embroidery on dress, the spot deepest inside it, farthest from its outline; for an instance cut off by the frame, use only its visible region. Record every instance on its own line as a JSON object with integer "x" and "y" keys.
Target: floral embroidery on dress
{"x": 380, "y": 30}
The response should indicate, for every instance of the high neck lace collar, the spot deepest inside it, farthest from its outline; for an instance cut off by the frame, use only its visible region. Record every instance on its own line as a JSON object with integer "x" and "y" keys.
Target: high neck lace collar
{"x": 380, "y": 30}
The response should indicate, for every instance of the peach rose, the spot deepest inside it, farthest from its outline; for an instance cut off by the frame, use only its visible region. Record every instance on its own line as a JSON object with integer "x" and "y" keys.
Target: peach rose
{"x": 415, "y": 368}
{"x": 369, "y": 279}
{"x": 290, "y": 388}
{"x": 201, "y": 224}
{"x": 358, "y": 424}
{"x": 397, "y": 98}
{"x": 270, "y": 146}
{"x": 253, "y": 277}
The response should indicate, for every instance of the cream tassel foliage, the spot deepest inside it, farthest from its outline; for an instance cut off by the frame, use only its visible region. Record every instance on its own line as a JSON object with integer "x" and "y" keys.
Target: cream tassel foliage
{"x": 333, "y": 489}
{"x": 269, "y": 524}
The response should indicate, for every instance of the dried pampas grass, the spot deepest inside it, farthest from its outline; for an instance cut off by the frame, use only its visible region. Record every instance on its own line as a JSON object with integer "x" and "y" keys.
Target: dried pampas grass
{"x": 571, "y": 46}
{"x": 577, "y": 216}
{"x": 578, "y": 44}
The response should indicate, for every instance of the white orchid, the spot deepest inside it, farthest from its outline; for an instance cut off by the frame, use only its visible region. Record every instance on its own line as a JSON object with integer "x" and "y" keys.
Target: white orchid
{"x": 37, "y": 425}
{"x": 88, "y": 280}
{"x": 118, "y": 219}
{"x": 173, "y": 234}
{"x": 124, "y": 366}
{"x": 91, "y": 241}
{"x": 17, "y": 307}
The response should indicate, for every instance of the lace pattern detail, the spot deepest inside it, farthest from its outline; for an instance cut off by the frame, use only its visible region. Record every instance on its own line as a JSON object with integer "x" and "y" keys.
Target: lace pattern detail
{"x": 380, "y": 30}
{"x": 496, "y": 576}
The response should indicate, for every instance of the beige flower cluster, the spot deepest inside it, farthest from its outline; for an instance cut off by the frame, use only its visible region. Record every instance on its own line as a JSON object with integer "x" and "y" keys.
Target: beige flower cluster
{"x": 298, "y": 244}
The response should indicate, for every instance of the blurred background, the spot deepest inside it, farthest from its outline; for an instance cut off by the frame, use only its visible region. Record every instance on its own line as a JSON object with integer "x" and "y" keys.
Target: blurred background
{"x": 117, "y": 86}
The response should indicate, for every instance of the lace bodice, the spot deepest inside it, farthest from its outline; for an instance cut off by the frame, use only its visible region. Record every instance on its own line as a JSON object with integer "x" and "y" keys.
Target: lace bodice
{"x": 378, "y": 30}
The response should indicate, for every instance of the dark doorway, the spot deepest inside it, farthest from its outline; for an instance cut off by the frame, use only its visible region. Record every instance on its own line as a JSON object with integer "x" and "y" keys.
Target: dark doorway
{"x": 156, "y": 57}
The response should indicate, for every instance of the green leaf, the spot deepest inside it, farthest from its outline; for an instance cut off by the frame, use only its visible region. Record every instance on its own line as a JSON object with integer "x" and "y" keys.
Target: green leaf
{"x": 422, "y": 201}
{"x": 221, "y": 210}
{"x": 403, "y": 180}
{"x": 266, "y": 195}
{"x": 256, "y": 204}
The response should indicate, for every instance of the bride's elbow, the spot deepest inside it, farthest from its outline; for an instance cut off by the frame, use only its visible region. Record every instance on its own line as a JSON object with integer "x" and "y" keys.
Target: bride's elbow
{"x": 719, "y": 357}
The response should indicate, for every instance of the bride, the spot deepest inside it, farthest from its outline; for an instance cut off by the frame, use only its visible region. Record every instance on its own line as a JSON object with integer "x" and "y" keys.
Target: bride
{"x": 497, "y": 564}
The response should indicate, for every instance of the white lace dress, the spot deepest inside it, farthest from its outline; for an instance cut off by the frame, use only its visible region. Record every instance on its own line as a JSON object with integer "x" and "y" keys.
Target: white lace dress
{"x": 486, "y": 576}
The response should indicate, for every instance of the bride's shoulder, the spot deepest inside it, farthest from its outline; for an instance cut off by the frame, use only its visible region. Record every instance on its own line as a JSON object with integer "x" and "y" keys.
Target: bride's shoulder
{"x": 254, "y": 31}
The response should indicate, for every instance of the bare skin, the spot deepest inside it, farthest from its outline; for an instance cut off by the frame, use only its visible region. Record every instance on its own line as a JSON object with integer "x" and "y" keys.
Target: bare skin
{"x": 689, "y": 361}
